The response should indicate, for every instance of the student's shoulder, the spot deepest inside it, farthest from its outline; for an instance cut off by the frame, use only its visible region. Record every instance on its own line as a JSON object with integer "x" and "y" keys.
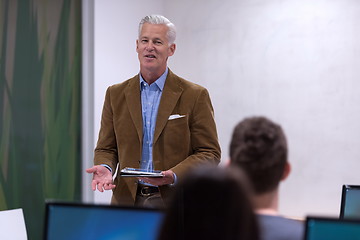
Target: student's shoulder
{"x": 280, "y": 227}
{"x": 280, "y": 219}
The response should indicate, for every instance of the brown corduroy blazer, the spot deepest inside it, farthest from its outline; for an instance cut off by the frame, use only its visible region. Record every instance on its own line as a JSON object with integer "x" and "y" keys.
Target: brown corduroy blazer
{"x": 179, "y": 144}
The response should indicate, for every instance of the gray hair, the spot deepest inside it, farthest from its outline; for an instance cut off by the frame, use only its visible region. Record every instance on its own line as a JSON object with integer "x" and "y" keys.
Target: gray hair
{"x": 158, "y": 19}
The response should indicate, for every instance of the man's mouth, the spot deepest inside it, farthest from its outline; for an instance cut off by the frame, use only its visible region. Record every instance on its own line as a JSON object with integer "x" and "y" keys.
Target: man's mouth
{"x": 150, "y": 56}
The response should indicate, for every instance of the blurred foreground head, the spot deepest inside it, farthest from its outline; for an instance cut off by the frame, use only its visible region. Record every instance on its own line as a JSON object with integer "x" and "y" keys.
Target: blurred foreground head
{"x": 211, "y": 203}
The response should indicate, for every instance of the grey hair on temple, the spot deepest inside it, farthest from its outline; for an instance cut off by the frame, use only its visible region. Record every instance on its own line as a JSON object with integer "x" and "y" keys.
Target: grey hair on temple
{"x": 158, "y": 19}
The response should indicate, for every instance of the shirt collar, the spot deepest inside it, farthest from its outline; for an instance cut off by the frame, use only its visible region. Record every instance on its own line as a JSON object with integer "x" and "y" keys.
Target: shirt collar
{"x": 160, "y": 82}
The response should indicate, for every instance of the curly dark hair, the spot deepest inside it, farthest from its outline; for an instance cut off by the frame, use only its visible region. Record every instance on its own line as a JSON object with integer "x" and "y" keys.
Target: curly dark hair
{"x": 259, "y": 147}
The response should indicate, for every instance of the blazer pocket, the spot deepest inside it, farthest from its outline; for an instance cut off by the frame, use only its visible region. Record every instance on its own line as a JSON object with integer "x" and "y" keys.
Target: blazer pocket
{"x": 176, "y": 136}
{"x": 177, "y": 124}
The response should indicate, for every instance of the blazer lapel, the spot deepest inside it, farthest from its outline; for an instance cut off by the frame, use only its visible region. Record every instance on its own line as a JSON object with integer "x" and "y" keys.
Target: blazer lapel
{"x": 171, "y": 93}
{"x": 132, "y": 96}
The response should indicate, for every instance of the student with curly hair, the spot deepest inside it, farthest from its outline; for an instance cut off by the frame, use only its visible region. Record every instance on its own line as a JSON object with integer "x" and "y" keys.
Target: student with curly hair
{"x": 259, "y": 147}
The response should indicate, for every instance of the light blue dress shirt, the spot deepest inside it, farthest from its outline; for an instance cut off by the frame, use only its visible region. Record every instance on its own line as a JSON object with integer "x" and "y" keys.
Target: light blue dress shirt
{"x": 150, "y": 101}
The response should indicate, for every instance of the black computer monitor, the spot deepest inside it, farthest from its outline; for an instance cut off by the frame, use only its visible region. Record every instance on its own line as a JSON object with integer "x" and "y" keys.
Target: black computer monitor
{"x": 327, "y": 228}
{"x": 350, "y": 201}
{"x": 94, "y": 222}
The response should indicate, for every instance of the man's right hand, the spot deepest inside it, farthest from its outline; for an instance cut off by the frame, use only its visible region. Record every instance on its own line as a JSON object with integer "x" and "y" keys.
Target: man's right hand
{"x": 102, "y": 178}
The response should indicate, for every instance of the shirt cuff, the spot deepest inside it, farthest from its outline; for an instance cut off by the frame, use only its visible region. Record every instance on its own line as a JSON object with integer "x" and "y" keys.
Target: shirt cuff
{"x": 107, "y": 166}
{"x": 175, "y": 181}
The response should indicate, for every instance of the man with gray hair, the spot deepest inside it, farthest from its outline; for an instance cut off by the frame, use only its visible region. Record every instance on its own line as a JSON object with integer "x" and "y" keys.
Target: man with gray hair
{"x": 153, "y": 121}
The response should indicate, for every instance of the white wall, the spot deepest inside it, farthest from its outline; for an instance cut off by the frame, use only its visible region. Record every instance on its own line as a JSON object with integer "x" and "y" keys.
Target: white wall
{"x": 294, "y": 61}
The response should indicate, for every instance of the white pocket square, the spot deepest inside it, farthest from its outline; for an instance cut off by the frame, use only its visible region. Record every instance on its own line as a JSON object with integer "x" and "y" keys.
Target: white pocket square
{"x": 175, "y": 116}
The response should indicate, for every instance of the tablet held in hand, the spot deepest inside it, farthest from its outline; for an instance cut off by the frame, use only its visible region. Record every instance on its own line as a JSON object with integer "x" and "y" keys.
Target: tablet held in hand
{"x": 135, "y": 172}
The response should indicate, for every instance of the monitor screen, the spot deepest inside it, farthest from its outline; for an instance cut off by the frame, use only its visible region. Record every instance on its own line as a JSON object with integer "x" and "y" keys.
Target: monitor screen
{"x": 93, "y": 222}
{"x": 321, "y": 228}
{"x": 350, "y": 201}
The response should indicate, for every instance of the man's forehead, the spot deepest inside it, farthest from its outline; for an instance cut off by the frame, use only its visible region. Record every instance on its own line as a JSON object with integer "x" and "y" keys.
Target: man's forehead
{"x": 148, "y": 28}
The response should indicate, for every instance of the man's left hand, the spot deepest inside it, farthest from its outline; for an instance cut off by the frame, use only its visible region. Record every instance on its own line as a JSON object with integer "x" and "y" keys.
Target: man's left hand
{"x": 166, "y": 180}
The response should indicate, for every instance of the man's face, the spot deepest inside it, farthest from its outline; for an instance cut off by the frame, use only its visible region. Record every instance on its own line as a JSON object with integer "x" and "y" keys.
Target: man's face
{"x": 153, "y": 48}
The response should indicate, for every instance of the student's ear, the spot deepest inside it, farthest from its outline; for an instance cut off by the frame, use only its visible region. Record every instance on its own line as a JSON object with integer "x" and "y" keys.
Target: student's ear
{"x": 227, "y": 162}
{"x": 287, "y": 170}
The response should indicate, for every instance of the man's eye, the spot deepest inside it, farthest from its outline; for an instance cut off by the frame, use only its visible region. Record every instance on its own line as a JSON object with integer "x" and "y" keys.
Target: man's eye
{"x": 144, "y": 41}
{"x": 158, "y": 42}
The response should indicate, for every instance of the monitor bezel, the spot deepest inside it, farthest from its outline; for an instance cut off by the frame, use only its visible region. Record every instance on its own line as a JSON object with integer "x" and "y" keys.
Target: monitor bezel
{"x": 345, "y": 188}
{"x": 326, "y": 219}
{"x": 50, "y": 203}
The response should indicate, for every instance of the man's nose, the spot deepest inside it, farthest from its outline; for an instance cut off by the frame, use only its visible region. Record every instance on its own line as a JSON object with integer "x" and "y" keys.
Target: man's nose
{"x": 150, "y": 46}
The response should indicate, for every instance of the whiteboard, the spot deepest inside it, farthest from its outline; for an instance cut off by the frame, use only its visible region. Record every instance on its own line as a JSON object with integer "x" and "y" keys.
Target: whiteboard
{"x": 295, "y": 62}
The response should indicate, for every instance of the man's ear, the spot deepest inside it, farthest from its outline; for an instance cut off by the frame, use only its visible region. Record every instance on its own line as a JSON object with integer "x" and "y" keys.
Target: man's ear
{"x": 287, "y": 170}
{"x": 137, "y": 45}
{"x": 172, "y": 49}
